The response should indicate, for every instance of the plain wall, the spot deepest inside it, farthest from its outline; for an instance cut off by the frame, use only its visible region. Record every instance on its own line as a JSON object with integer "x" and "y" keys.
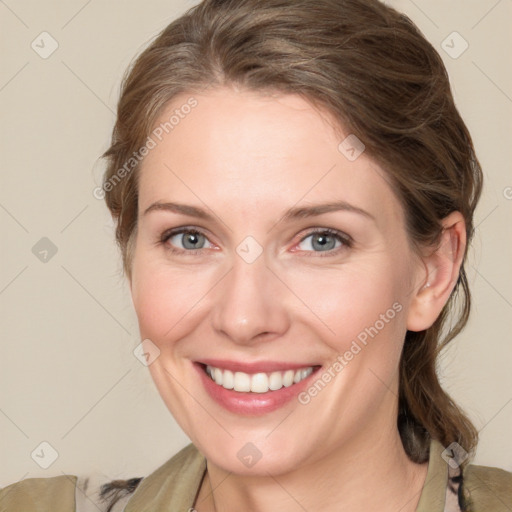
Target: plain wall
{"x": 68, "y": 375}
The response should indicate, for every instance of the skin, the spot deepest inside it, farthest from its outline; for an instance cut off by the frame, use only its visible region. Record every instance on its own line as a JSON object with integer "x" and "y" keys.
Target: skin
{"x": 246, "y": 159}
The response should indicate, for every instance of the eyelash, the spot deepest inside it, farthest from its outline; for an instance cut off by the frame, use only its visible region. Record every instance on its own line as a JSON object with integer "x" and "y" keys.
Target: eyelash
{"x": 346, "y": 241}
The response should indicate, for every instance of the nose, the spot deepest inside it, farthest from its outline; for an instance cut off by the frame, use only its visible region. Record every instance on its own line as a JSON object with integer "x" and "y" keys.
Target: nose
{"x": 250, "y": 303}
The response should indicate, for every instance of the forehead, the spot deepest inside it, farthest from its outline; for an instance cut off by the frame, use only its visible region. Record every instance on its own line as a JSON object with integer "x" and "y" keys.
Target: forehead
{"x": 251, "y": 150}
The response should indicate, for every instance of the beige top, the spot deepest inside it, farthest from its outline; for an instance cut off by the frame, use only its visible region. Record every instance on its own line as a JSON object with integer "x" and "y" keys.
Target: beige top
{"x": 173, "y": 487}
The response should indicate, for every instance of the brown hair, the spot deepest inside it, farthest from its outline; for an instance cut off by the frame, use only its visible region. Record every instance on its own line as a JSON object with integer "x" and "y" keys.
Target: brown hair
{"x": 371, "y": 68}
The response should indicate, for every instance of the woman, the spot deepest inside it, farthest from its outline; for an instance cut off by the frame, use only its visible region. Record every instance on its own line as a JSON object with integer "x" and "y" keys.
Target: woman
{"x": 294, "y": 193}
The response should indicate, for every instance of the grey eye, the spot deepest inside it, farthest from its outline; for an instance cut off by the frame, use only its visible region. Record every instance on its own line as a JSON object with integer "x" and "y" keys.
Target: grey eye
{"x": 321, "y": 241}
{"x": 189, "y": 240}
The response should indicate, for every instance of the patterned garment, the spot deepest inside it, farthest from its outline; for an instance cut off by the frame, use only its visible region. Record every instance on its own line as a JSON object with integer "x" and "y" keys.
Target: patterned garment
{"x": 88, "y": 496}
{"x": 454, "y": 498}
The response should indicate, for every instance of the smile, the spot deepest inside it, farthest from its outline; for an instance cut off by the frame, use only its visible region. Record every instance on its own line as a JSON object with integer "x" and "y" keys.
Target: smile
{"x": 254, "y": 388}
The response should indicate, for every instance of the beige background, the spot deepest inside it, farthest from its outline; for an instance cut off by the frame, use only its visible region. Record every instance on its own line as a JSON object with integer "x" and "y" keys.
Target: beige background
{"x": 68, "y": 376}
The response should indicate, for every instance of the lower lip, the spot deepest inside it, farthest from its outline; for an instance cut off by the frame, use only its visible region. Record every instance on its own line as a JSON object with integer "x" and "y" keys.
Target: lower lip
{"x": 251, "y": 404}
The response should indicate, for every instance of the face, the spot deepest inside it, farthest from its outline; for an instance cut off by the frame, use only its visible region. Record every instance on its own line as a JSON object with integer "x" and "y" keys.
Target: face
{"x": 245, "y": 277}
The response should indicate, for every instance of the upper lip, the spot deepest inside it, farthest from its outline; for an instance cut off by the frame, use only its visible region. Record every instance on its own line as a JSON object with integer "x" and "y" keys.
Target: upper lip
{"x": 254, "y": 367}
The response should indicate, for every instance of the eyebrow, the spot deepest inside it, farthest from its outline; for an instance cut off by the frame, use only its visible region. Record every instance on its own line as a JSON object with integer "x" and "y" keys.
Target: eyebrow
{"x": 300, "y": 212}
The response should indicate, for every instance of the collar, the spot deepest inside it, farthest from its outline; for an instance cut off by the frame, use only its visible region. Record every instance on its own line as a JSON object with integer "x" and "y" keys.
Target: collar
{"x": 175, "y": 484}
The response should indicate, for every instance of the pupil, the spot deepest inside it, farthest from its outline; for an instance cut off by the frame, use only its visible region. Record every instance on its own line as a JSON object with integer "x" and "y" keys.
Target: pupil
{"x": 321, "y": 241}
{"x": 191, "y": 239}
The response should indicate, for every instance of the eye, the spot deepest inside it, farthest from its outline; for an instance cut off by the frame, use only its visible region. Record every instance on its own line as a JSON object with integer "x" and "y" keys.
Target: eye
{"x": 192, "y": 240}
{"x": 325, "y": 240}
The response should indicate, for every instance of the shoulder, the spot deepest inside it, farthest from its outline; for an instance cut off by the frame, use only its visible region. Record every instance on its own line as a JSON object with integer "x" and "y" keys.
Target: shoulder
{"x": 67, "y": 493}
{"x": 40, "y": 495}
{"x": 174, "y": 481}
{"x": 488, "y": 488}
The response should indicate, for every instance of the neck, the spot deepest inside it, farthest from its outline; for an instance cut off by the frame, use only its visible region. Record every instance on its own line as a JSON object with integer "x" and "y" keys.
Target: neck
{"x": 383, "y": 479}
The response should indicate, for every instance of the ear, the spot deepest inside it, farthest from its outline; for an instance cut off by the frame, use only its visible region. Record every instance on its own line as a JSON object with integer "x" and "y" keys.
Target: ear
{"x": 436, "y": 281}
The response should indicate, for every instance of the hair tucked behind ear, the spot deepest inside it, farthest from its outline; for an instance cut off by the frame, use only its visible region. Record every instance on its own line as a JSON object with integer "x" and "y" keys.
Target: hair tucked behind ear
{"x": 373, "y": 71}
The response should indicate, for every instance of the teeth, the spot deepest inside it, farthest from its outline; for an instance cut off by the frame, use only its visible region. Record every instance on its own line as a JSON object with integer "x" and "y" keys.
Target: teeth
{"x": 257, "y": 382}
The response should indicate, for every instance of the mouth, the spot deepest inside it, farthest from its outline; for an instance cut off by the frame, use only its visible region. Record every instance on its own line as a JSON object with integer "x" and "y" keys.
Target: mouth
{"x": 254, "y": 388}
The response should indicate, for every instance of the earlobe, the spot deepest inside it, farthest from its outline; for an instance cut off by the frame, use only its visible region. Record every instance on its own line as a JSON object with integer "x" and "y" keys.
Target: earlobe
{"x": 440, "y": 273}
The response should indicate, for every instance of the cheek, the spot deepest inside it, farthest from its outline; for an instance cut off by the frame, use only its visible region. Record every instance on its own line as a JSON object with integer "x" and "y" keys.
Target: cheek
{"x": 348, "y": 300}
{"x": 164, "y": 300}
